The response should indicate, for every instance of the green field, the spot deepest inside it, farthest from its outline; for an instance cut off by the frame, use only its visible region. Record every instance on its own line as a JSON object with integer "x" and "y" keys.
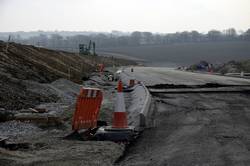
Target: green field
{"x": 186, "y": 53}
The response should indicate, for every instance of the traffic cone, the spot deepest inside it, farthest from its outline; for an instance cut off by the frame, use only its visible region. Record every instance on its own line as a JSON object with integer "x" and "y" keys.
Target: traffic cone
{"x": 210, "y": 70}
{"x": 120, "y": 115}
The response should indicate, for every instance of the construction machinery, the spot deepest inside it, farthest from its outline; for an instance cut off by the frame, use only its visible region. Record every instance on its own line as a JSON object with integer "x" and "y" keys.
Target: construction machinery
{"x": 89, "y": 49}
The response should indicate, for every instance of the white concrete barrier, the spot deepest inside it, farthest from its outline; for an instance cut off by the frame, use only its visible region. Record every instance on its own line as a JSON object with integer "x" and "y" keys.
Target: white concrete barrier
{"x": 145, "y": 112}
{"x": 140, "y": 103}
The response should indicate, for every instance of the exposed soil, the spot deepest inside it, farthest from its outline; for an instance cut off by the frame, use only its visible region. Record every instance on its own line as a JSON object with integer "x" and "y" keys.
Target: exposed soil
{"x": 25, "y": 66}
{"x": 15, "y": 96}
{"x": 223, "y": 68}
{"x": 234, "y": 67}
{"x": 33, "y": 79}
{"x": 42, "y": 143}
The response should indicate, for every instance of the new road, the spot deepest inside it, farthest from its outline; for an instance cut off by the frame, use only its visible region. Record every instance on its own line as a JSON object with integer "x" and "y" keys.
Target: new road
{"x": 206, "y": 121}
{"x": 152, "y": 76}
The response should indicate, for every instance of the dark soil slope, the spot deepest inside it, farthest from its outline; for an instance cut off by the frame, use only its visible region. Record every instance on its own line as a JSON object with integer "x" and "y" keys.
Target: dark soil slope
{"x": 20, "y": 64}
{"x": 39, "y": 64}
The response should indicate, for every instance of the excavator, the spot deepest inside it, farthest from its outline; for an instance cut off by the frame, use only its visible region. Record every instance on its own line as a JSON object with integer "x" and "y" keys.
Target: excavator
{"x": 85, "y": 49}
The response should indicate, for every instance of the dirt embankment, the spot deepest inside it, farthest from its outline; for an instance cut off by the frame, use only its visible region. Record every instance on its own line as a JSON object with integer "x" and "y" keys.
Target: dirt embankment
{"x": 22, "y": 64}
{"x": 42, "y": 65}
{"x": 228, "y": 67}
{"x": 234, "y": 67}
{"x": 33, "y": 79}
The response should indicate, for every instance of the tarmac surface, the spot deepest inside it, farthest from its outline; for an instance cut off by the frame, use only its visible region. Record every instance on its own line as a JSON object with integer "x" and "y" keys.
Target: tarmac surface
{"x": 201, "y": 128}
{"x": 160, "y": 75}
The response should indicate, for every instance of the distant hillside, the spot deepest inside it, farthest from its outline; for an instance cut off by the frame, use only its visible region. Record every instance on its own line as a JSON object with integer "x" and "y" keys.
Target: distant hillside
{"x": 187, "y": 53}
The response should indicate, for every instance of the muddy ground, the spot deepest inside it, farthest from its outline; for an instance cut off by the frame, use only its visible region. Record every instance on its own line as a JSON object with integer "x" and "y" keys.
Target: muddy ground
{"x": 44, "y": 143}
{"x": 195, "y": 129}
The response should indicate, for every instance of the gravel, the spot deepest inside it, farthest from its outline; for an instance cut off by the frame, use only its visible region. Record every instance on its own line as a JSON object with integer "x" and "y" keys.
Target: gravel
{"x": 14, "y": 129}
{"x": 47, "y": 146}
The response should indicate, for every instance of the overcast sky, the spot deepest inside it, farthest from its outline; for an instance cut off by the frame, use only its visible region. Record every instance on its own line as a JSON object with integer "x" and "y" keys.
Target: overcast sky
{"x": 125, "y": 15}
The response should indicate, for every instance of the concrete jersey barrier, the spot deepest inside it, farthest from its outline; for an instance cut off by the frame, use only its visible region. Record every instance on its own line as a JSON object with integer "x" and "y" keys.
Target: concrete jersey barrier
{"x": 139, "y": 110}
{"x": 145, "y": 111}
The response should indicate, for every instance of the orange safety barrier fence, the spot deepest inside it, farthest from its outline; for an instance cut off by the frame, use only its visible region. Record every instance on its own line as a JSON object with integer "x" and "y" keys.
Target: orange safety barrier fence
{"x": 87, "y": 108}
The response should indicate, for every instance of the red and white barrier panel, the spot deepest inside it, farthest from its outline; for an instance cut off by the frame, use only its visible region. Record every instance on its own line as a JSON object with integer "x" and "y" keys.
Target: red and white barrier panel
{"x": 87, "y": 108}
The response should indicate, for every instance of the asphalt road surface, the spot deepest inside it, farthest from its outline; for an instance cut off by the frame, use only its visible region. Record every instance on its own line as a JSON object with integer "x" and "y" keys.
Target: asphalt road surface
{"x": 151, "y": 76}
{"x": 193, "y": 129}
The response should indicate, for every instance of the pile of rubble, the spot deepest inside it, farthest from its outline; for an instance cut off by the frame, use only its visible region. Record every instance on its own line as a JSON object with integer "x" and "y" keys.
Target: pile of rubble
{"x": 35, "y": 135}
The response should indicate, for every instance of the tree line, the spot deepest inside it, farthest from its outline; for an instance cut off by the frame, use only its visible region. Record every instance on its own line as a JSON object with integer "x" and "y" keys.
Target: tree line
{"x": 104, "y": 40}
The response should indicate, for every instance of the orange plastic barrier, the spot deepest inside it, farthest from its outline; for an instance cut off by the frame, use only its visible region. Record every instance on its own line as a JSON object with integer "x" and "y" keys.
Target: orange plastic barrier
{"x": 87, "y": 108}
